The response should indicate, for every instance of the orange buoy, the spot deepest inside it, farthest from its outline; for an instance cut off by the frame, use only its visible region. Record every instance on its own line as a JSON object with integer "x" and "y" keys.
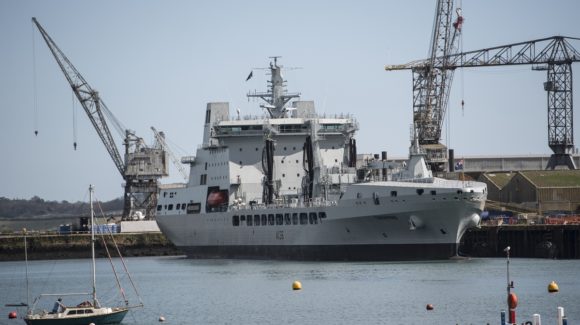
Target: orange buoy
{"x": 296, "y": 285}
{"x": 553, "y": 287}
{"x": 12, "y": 315}
{"x": 429, "y": 307}
{"x": 512, "y": 300}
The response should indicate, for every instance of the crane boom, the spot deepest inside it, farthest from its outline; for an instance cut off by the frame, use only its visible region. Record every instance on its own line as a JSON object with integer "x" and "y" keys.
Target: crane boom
{"x": 549, "y": 50}
{"x": 87, "y": 96}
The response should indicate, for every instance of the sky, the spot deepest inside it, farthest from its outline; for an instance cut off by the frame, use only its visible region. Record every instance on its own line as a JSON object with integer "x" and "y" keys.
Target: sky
{"x": 157, "y": 63}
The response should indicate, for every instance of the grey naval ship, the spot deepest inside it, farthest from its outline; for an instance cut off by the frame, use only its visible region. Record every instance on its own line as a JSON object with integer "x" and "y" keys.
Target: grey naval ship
{"x": 287, "y": 186}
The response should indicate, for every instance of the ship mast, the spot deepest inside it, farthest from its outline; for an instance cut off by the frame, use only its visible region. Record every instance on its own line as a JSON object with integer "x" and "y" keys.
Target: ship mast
{"x": 277, "y": 96}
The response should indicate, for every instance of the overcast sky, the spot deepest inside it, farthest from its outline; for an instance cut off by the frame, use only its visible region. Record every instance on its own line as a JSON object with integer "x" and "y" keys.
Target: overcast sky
{"x": 157, "y": 63}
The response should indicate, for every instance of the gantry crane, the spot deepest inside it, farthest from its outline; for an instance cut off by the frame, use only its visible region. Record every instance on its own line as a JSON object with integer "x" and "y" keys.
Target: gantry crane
{"x": 142, "y": 166}
{"x": 554, "y": 55}
{"x": 431, "y": 84}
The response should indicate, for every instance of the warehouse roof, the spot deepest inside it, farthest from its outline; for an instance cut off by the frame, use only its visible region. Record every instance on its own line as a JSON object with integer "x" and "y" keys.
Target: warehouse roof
{"x": 553, "y": 178}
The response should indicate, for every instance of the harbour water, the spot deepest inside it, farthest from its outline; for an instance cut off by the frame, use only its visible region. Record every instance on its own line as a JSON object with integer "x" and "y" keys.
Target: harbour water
{"x": 185, "y": 291}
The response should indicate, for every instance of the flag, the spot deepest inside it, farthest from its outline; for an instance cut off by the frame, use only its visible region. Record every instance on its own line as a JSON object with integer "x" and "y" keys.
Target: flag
{"x": 250, "y": 75}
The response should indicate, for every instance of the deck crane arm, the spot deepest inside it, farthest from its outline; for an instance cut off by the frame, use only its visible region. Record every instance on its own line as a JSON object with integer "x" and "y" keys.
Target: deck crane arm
{"x": 161, "y": 140}
{"x": 552, "y": 54}
{"x": 87, "y": 96}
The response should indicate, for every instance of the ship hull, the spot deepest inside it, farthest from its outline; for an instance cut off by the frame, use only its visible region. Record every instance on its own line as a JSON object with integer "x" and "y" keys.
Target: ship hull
{"x": 114, "y": 317}
{"x": 404, "y": 228}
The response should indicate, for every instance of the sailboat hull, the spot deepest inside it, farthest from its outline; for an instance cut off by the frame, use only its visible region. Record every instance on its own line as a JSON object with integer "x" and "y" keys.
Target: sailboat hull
{"x": 114, "y": 317}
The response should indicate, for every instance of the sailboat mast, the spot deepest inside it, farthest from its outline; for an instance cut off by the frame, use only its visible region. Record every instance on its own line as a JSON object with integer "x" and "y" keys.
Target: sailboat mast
{"x": 93, "y": 246}
{"x": 26, "y": 262}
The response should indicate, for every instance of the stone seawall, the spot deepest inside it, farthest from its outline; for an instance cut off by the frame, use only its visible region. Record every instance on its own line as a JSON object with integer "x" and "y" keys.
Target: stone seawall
{"x": 43, "y": 247}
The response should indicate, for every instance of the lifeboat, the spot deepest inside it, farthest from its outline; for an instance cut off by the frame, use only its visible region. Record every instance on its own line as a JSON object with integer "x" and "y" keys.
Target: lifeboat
{"x": 216, "y": 198}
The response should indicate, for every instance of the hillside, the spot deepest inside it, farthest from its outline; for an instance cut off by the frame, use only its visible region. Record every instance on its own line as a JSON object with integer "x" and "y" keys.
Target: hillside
{"x": 39, "y": 208}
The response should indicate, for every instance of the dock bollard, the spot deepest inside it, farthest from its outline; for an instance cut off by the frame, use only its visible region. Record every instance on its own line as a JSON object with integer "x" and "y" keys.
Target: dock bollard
{"x": 537, "y": 319}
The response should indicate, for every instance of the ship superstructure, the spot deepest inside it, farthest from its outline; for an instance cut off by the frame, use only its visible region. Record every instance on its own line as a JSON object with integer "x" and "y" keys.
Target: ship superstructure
{"x": 286, "y": 186}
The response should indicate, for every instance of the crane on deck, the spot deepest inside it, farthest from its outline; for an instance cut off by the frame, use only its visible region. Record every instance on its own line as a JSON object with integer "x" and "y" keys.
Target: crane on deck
{"x": 142, "y": 166}
{"x": 553, "y": 54}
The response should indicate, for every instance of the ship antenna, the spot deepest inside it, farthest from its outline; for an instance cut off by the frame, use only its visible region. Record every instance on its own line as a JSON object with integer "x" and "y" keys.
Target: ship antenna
{"x": 276, "y": 97}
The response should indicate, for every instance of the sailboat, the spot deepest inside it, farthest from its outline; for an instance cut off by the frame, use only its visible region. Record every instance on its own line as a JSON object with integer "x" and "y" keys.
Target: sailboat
{"x": 87, "y": 312}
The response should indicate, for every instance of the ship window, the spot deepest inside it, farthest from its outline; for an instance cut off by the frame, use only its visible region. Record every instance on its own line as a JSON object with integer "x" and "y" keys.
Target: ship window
{"x": 284, "y": 148}
{"x": 283, "y": 175}
{"x": 256, "y": 149}
{"x": 205, "y": 166}
{"x": 236, "y": 220}
{"x": 264, "y": 220}
{"x": 420, "y": 191}
{"x": 164, "y": 194}
{"x": 72, "y": 312}
{"x": 294, "y": 148}
{"x": 322, "y": 215}
{"x": 203, "y": 179}
{"x": 88, "y": 311}
{"x": 193, "y": 208}
{"x": 287, "y": 218}
{"x": 240, "y": 149}
{"x": 249, "y": 220}
{"x": 159, "y": 207}
{"x": 242, "y": 218}
{"x": 394, "y": 193}
{"x": 271, "y": 219}
{"x": 296, "y": 160}
{"x": 279, "y": 219}
{"x": 303, "y": 218}
{"x": 298, "y": 174}
{"x": 294, "y": 218}
{"x": 170, "y": 207}
{"x": 256, "y": 220}
{"x": 182, "y": 206}
{"x": 459, "y": 192}
{"x": 313, "y": 218}
{"x": 433, "y": 192}
{"x": 178, "y": 207}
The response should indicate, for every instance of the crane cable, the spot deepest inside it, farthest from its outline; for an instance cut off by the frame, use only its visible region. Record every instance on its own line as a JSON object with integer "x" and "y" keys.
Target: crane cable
{"x": 35, "y": 96}
{"x": 74, "y": 117}
{"x": 462, "y": 70}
